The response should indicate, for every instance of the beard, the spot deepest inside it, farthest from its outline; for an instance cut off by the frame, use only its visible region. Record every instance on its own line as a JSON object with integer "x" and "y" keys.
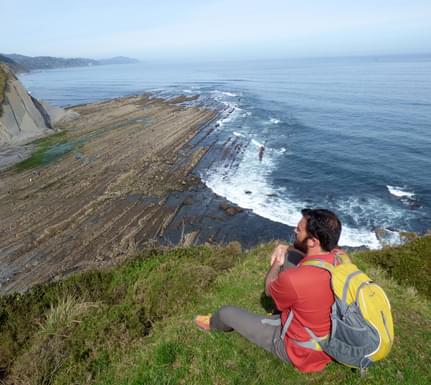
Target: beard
{"x": 301, "y": 245}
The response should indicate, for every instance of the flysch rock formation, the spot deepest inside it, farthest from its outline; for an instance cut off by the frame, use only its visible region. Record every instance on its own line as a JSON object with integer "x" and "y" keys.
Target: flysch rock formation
{"x": 23, "y": 117}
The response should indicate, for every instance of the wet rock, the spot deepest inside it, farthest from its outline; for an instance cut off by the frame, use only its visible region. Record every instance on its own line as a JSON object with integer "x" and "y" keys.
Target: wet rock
{"x": 230, "y": 210}
{"x": 408, "y": 236}
{"x": 188, "y": 201}
{"x": 388, "y": 236}
{"x": 248, "y": 192}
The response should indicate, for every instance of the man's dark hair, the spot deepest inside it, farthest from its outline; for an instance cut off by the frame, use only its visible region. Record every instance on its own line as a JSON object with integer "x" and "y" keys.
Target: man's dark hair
{"x": 323, "y": 225}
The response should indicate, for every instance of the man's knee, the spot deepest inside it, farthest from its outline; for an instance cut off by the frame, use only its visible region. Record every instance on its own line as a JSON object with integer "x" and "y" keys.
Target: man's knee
{"x": 222, "y": 319}
{"x": 227, "y": 310}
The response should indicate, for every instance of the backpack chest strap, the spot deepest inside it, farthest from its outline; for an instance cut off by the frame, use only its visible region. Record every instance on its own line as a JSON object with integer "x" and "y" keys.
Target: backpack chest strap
{"x": 314, "y": 341}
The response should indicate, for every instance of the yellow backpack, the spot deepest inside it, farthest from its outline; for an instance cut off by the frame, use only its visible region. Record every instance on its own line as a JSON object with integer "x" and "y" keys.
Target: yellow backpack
{"x": 362, "y": 329}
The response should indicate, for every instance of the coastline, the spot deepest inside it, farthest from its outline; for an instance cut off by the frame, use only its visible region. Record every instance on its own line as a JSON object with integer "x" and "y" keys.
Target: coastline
{"x": 101, "y": 201}
{"x": 127, "y": 179}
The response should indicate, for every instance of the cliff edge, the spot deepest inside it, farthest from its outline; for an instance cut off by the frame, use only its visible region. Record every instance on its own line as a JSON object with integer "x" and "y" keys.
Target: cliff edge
{"x": 22, "y": 117}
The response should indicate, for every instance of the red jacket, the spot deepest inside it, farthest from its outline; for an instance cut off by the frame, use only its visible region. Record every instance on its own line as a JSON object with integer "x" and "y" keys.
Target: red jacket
{"x": 307, "y": 291}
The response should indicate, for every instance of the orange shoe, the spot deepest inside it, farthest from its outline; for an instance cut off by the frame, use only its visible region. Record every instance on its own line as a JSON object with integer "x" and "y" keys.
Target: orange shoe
{"x": 203, "y": 322}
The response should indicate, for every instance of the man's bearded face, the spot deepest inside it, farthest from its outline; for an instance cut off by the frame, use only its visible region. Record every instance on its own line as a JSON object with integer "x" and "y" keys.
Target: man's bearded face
{"x": 301, "y": 245}
{"x": 301, "y": 236}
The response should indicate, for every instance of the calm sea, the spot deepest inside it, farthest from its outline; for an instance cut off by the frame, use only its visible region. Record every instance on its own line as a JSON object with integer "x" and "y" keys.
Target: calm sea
{"x": 349, "y": 134}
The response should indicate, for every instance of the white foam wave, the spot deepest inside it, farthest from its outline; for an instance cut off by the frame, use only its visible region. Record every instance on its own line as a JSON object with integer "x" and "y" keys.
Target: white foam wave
{"x": 400, "y": 192}
{"x": 239, "y": 134}
{"x": 227, "y": 119}
{"x": 274, "y": 120}
{"x": 256, "y": 143}
{"x": 248, "y": 186}
{"x": 356, "y": 237}
{"x": 229, "y": 114}
{"x": 188, "y": 91}
{"x": 226, "y": 93}
{"x": 371, "y": 212}
{"x": 231, "y": 106}
{"x": 253, "y": 193}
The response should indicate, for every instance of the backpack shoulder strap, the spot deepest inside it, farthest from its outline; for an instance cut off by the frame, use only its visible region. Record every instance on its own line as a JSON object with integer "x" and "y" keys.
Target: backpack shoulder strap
{"x": 341, "y": 256}
{"x": 319, "y": 263}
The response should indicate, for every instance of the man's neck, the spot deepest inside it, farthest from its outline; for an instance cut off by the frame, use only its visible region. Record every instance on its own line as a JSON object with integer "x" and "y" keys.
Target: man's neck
{"x": 315, "y": 251}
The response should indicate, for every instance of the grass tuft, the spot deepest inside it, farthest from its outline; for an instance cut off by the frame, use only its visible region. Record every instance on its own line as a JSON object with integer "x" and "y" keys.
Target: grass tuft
{"x": 66, "y": 312}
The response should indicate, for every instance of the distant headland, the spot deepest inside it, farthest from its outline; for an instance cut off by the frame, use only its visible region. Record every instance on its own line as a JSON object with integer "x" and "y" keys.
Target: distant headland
{"x": 21, "y": 63}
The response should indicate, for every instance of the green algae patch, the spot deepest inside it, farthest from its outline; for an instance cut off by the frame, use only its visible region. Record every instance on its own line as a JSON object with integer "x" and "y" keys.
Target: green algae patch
{"x": 46, "y": 150}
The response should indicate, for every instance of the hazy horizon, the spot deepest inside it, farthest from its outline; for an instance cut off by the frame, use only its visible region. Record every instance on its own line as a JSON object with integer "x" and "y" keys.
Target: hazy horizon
{"x": 198, "y": 60}
{"x": 217, "y": 29}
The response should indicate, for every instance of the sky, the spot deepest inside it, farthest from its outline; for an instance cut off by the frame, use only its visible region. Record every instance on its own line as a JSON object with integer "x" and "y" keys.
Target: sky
{"x": 215, "y": 29}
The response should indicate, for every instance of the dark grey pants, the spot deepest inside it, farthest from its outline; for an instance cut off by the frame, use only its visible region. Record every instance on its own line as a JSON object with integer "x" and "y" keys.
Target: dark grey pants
{"x": 263, "y": 331}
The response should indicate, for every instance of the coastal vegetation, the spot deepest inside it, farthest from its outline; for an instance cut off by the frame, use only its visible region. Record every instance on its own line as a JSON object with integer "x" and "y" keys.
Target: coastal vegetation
{"x": 133, "y": 324}
{"x": 3, "y": 83}
{"x": 407, "y": 265}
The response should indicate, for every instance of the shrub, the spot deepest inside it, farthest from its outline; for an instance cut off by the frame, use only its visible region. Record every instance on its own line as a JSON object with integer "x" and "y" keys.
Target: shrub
{"x": 408, "y": 264}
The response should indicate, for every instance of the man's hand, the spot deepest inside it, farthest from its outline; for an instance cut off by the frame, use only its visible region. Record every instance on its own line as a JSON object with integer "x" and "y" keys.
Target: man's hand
{"x": 277, "y": 261}
{"x": 279, "y": 254}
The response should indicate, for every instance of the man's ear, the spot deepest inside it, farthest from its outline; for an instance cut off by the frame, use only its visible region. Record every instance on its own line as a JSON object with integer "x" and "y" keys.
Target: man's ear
{"x": 314, "y": 242}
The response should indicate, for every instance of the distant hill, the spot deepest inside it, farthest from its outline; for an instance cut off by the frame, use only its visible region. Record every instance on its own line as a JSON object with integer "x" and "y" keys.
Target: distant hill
{"x": 22, "y": 63}
{"x": 48, "y": 62}
{"x": 13, "y": 65}
{"x": 118, "y": 60}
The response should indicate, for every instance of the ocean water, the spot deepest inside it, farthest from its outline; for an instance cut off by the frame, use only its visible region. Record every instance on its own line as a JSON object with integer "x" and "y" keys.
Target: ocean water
{"x": 349, "y": 134}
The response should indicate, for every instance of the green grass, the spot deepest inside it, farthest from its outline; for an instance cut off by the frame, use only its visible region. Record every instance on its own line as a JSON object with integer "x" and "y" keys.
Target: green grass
{"x": 133, "y": 325}
{"x": 45, "y": 151}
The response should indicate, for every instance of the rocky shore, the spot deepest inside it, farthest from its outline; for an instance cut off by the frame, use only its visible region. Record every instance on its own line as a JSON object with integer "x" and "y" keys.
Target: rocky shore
{"x": 105, "y": 198}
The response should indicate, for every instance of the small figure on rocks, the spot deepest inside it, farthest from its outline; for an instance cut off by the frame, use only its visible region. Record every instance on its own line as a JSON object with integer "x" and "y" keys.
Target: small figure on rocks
{"x": 261, "y": 152}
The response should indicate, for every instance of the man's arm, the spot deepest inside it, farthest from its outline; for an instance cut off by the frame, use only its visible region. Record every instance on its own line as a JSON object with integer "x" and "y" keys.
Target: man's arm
{"x": 277, "y": 261}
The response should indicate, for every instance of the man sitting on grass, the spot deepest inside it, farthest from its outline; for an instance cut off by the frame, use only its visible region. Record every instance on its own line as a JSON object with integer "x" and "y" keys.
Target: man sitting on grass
{"x": 304, "y": 292}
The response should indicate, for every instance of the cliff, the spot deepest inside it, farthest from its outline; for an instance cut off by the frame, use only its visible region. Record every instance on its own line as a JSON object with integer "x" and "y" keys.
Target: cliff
{"x": 22, "y": 117}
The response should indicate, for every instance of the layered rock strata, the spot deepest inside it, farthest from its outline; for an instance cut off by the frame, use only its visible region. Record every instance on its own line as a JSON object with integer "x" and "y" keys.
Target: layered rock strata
{"x": 106, "y": 198}
{"x": 22, "y": 117}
